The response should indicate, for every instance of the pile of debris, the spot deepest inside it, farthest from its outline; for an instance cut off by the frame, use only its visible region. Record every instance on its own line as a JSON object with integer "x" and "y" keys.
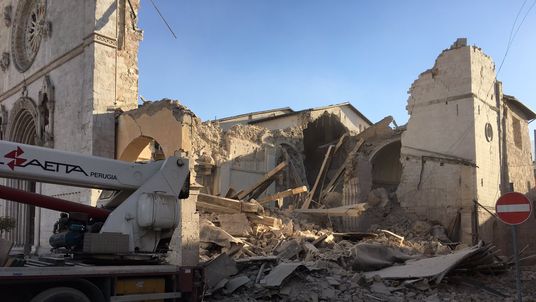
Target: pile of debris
{"x": 253, "y": 249}
{"x": 254, "y": 253}
{"x": 302, "y": 260}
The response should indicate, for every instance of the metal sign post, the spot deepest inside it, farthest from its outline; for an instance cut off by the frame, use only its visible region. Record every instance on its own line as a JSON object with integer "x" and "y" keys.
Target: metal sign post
{"x": 516, "y": 261}
{"x": 514, "y": 208}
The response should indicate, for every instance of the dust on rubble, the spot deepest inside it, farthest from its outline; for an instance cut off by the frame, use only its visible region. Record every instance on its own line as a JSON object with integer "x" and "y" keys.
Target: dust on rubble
{"x": 303, "y": 261}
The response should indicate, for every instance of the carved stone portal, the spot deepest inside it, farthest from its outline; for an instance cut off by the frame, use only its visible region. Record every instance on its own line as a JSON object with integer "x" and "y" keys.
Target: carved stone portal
{"x": 7, "y": 15}
{"x": 3, "y": 121}
{"x": 4, "y": 61}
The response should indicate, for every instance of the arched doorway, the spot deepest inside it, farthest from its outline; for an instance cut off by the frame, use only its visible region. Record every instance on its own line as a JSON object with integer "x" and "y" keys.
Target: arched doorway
{"x": 386, "y": 166}
{"x": 22, "y": 129}
{"x": 142, "y": 148}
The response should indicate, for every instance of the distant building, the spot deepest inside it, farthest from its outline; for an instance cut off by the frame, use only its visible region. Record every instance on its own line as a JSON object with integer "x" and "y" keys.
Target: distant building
{"x": 282, "y": 118}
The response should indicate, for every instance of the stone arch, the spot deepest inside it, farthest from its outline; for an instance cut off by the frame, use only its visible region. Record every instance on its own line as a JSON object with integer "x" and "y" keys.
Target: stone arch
{"x": 143, "y": 148}
{"x": 385, "y": 162}
{"x": 165, "y": 122}
{"x": 22, "y": 128}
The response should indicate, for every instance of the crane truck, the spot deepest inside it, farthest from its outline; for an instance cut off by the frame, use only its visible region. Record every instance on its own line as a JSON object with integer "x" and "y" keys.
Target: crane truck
{"x": 112, "y": 252}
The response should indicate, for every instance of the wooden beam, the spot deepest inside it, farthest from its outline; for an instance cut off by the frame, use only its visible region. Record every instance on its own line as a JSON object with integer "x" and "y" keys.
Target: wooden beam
{"x": 237, "y": 206}
{"x": 282, "y": 194}
{"x": 327, "y": 157}
{"x": 230, "y": 193}
{"x": 265, "y": 220}
{"x": 208, "y": 207}
{"x": 267, "y": 178}
{"x": 340, "y": 142}
{"x": 346, "y": 211}
{"x": 333, "y": 181}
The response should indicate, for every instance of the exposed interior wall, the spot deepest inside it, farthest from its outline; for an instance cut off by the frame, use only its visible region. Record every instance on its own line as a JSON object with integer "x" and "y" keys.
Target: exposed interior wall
{"x": 386, "y": 166}
{"x": 227, "y": 123}
{"x": 324, "y": 130}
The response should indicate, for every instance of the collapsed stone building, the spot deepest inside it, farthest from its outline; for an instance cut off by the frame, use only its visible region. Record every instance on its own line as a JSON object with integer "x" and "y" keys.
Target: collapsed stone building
{"x": 465, "y": 144}
{"x": 75, "y": 88}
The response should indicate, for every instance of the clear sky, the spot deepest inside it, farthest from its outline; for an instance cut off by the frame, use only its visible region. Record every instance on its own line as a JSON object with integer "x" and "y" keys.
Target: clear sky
{"x": 237, "y": 56}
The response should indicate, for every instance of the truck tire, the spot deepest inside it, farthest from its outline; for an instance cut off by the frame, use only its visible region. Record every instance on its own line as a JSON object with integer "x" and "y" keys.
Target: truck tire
{"x": 61, "y": 294}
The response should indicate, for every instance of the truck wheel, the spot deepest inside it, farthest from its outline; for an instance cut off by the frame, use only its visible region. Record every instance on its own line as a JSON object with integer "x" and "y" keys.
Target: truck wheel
{"x": 61, "y": 294}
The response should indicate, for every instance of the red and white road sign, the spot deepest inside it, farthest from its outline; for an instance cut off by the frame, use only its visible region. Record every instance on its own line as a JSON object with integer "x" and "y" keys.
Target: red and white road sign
{"x": 513, "y": 208}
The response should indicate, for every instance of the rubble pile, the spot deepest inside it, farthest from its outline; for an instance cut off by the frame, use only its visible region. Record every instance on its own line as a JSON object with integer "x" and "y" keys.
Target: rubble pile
{"x": 258, "y": 246}
{"x": 303, "y": 261}
{"x": 246, "y": 260}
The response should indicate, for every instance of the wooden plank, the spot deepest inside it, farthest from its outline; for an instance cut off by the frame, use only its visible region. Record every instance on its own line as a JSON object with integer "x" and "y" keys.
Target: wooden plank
{"x": 327, "y": 157}
{"x": 207, "y": 207}
{"x": 346, "y": 211}
{"x": 340, "y": 142}
{"x": 235, "y": 195}
{"x": 333, "y": 181}
{"x": 238, "y": 206}
{"x": 257, "y": 192}
{"x": 268, "y": 178}
{"x": 265, "y": 220}
{"x": 230, "y": 193}
{"x": 282, "y": 194}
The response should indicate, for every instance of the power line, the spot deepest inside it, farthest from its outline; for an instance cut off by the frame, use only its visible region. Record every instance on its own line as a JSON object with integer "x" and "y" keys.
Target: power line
{"x": 512, "y": 37}
{"x": 163, "y": 19}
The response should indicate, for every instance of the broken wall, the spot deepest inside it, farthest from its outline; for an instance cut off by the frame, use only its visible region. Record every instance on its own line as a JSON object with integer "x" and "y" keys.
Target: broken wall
{"x": 168, "y": 125}
{"x": 447, "y": 161}
{"x": 242, "y": 154}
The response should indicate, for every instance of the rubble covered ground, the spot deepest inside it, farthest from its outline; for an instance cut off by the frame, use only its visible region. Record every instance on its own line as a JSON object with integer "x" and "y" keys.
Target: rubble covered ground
{"x": 323, "y": 265}
{"x": 256, "y": 247}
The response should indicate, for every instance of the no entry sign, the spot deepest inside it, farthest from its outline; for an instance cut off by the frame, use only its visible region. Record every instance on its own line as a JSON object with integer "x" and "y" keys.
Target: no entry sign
{"x": 513, "y": 208}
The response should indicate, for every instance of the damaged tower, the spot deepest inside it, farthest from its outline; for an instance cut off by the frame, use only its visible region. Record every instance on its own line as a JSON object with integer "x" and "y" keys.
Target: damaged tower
{"x": 462, "y": 135}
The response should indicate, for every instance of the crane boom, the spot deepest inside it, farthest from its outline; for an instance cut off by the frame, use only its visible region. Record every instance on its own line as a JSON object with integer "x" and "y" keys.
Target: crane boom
{"x": 145, "y": 208}
{"x": 67, "y": 168}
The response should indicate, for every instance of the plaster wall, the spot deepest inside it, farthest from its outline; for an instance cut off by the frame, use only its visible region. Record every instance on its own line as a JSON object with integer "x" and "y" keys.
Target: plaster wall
{"x": 241, "y": 119}
{"x": 352, "y": 121}
{"x": 289, "y": 121}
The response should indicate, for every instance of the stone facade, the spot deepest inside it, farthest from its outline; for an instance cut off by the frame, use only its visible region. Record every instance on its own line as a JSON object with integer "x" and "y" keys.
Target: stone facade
{"x": 518, "y": 145}
{"x": 62, "y": 89}
{"x": 458, "y": 148}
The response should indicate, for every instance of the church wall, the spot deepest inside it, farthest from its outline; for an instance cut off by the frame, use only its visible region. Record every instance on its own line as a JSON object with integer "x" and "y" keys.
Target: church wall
{"x": 80, "y": 57}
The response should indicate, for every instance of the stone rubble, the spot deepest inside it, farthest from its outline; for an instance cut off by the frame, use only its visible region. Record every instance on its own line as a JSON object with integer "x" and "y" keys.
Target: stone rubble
{"x": 304, "y": 261}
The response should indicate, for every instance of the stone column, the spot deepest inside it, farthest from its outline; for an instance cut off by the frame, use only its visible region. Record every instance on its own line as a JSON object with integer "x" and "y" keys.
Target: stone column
{"x": 184, "y": 245}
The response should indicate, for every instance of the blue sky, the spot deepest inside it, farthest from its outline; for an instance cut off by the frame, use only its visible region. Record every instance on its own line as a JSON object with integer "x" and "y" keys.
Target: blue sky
{"x": 236, "y": 56}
